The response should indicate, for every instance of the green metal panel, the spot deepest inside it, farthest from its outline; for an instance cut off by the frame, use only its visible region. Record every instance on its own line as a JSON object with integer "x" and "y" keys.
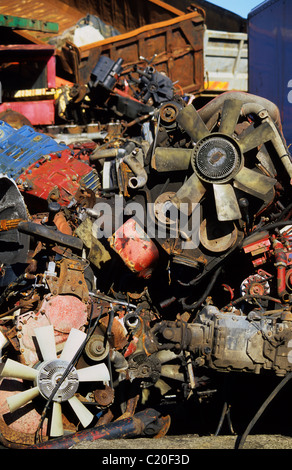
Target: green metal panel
{"x": 26, "y": 23}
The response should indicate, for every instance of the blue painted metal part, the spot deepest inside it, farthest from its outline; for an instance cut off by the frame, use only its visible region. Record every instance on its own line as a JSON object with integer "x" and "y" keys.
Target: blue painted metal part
{"x": 19, "y": 148}
{"x": 270, "y": 64}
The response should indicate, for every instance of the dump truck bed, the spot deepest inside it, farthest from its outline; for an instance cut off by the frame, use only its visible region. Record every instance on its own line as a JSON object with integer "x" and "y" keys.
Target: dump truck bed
{"x": 225, "y": 61}
{"x": 197, "y": 60}
{"x": 124, "y": 15}
{"x": 148, "y": 28}
{"x": 175, "y": 47}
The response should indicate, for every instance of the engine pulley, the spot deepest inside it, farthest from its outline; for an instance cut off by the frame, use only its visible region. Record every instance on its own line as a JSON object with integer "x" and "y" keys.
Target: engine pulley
{"x": 256, "y": 285}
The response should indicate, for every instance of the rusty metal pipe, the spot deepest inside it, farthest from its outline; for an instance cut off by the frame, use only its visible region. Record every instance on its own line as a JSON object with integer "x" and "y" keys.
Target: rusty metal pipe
{"x": 148, "y": 422}
{"x": 213, "y": 106}
{"x": 61, "y": 223}
{"x": 278, "y": 140}
{"x": 106, "y": 153}
{"x": 141, "y": 177}
{"x": 50, "y": 235}
{"x": 281, "y": 264}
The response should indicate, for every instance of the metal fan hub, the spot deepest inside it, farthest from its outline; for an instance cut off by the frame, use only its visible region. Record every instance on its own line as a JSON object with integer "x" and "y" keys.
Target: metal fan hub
{"x": 216, "y": 158}
{"x": 50, "y": 374}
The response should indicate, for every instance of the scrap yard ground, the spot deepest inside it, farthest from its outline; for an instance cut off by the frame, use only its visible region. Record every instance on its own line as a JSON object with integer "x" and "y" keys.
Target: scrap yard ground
{"x": 190, "y": 442}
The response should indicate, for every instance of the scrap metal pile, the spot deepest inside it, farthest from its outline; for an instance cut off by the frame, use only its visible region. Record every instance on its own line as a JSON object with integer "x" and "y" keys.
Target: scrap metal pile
{"x": 138, "y": 265}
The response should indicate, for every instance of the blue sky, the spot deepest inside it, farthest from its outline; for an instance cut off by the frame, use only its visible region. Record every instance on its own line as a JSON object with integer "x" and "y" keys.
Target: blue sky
{"x": 240, "y": 7}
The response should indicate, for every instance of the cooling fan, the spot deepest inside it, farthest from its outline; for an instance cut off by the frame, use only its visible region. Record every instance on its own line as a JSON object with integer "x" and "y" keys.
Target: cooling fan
{"x": 155, "y": 85}
{"x": 49, "y": 372}
{"x": 218, "y": 160}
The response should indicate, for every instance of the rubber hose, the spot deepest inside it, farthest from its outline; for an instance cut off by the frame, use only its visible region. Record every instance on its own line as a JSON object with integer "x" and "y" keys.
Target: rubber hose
{"x": 205, "y": 294}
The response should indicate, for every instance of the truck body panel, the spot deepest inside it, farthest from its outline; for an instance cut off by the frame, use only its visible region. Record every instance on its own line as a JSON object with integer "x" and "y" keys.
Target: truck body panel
{"x": 197, "y": 60}
{"x": 175, "y": 47}
{"x": 28, "y": 79}
{"x": 225, "y": 61}
{"x": 270, "y": 65}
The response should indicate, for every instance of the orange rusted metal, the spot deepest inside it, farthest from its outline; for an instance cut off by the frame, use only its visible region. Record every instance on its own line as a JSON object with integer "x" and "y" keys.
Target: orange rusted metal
{"x": 71, "y": 280}
{"x": 175, "y": 47}
{"x": 124, "y": 15}
{"x": 148, "y": 28}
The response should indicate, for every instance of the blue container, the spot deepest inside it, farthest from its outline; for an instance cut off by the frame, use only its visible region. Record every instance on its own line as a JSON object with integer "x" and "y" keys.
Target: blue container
{"x": 270, "y": 57}
{"x": 19, "y": 148}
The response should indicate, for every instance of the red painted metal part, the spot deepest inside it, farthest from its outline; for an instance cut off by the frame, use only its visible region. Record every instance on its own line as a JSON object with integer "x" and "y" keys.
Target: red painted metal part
{"x": 136, "y": 249}
{"x": 37, "y": 112}
{"x": 65, "y": 312}
{"x": 281, "y": 264}
{"x": 259, "y": 250}
{"x": 59, "y": 173}
{"x": 62, "y": 311}
{"x": 51, "y": 72}
{"x": 21, "y": 422}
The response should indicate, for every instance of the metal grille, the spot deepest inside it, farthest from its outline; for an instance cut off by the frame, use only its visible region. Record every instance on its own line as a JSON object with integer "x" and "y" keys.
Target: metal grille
{"x": 216, "y": 159}
{"x": 49, "y": 375}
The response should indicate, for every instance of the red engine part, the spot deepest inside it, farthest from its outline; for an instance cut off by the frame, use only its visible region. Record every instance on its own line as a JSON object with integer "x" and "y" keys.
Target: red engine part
{"x": 281, "y": 264}
{"x": 256, "y": 284}
{"x": 23, "y": 424}
{"x": 58, "y": 176}
{"x": 62, "y": 311}
{"x": 259, "y": 250}
{"x": 135, "y": 248}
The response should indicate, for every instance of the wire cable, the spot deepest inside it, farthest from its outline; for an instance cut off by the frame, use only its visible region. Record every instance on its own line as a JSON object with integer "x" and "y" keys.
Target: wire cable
{"x": 240, "y": 442}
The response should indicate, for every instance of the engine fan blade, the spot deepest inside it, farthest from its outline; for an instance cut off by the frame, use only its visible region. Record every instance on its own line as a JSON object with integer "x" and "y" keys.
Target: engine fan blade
{"x": 266, "y": 161}
{"x": 17, "y": 401}
{"x": 162, "y": 386}
{"x": 16, "y": 370}
{"x": 96, "y": 373}
{"x": 146, "y": 96}
{"x": 253, "y": 137}
{"x": 46, "y": 341}
{"x": 253, "y": 182}
{"x": 155, "y": 97}
{"x": 165, "y": 355}
{"x": 84, "y": 415}
{"x": 73, "y": 343}
{"x": 226, "y": 202}
{"x": 172, "y": 372}
{"x": 56, "y": 428}
{"x": 190, "y": 120}
{"x": 191, "y": 192}
{"x": 229, "y": 116}
{"x": 3, "y": 341}
{"x": 171, "y": 159}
